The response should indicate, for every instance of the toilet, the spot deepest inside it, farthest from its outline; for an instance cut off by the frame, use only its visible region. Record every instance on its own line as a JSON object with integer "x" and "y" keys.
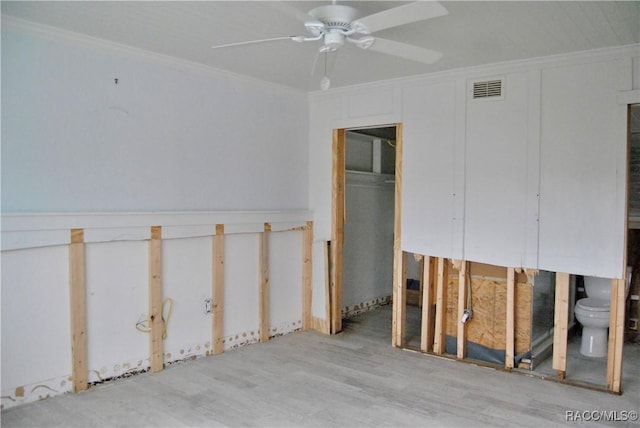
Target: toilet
{"x": 593, "y": 313}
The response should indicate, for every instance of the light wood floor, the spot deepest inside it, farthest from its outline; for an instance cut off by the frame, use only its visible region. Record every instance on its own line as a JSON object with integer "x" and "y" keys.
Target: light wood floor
{"x": 306, "y": 379}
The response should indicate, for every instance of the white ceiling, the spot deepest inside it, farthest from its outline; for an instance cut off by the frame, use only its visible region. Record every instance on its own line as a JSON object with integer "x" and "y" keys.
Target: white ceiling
{"x": 473, "y": 33}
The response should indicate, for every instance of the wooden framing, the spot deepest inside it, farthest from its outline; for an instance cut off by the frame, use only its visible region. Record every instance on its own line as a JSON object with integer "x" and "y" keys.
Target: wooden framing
{"x": 263, "y": 261}
{"x": 399, "y": 265}
{"x": 560, "y": 327}
{"x": 307, "y": 274}
{"x": 439, "y": 335}
{"x": 511, "y": 320}
{"x": 156, "y": 323}
{"x": 399, "y": 323}
{"x": 78, "y": 302}
{"x": 463, "y": 290}
{"x": 218, "y": 290}
{"x": 426, "y": 330}
{"x": 337, "y": 220}
{"x": 616, "y": 335}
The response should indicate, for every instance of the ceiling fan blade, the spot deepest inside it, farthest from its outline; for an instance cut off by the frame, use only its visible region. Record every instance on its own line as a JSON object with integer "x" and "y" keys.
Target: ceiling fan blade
{"x": 406, "y": 51}
{"x": 252, "y": 41}
{"x": 405, "y": 14}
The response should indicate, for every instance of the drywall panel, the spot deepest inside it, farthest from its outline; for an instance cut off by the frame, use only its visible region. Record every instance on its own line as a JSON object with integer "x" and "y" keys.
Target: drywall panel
{"x": 285, "y": 282}
{"x": 496, "y": 175}
{"x": 582, "y": 176}
{"x": 240, "y": 311}
{"x": 429, "y": 135}
{"x": 374, "y": 102}
{"x": 367, "y": 272}
{"x": 36, "y": 339}
{"x": 320, "y": 286}
{"x": 186, "y": 270}
{"x": 161, "y": 138}
{"x": 324, "y": 113}
{"x": 117, "y": 299}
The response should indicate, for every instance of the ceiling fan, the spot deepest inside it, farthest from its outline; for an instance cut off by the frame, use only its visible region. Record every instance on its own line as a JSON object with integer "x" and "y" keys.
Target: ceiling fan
{"x": 336, "y": 24}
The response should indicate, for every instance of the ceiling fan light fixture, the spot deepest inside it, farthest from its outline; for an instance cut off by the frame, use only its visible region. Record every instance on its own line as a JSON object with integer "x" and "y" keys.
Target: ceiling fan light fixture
{"x": 333, "y": 40}
{"x": 314, "y": 27}
{"x": 359, "y": 28}
{"x": 364, "y": 42}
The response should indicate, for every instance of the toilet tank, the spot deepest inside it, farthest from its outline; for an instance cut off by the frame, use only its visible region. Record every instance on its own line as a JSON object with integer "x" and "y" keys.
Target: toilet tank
{"x": 597, "y": 287}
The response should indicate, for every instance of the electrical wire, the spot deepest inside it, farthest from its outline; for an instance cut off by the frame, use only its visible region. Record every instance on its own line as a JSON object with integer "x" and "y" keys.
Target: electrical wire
{"x": 468, "y": 274}
{"x": 143, "y": 322}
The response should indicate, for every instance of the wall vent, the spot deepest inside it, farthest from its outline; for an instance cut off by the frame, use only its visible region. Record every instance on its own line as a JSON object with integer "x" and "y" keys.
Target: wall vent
{"x": 488, "y": 89}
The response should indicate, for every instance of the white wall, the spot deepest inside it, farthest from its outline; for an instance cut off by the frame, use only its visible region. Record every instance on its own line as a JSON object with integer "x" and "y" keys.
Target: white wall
{"x": 367, "y": 272}
{"x": 476, "y": 175}
{"x": 172, "y": 144}
{"x": 583, "y": 168}
{"x": 74, "y": 141}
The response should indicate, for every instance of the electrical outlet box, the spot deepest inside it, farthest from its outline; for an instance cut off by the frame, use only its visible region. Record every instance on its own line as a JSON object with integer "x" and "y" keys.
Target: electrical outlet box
{"x": 633, "y": 324}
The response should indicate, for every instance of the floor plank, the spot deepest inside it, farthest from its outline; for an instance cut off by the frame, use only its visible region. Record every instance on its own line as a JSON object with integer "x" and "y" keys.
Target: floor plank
{"x": 307, "y": 379}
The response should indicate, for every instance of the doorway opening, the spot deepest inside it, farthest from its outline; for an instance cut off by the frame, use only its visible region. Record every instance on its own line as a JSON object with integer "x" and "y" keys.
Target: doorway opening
{"x": 365, "y": 219}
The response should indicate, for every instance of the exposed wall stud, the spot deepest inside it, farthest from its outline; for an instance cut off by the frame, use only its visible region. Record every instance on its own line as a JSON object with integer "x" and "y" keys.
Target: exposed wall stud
{"x": 616, "y": 335}
{"x": 78, "y": 301}
{"x": 462, "y": 305}
{"x": 218, "y": 289}
{"x": 398, "y": 310}
{"x": 561, "y": 322}
{"x": 441, "y": 307}
{"x": 307, "y": 265}
{"x": 426, "y": 335}
{"x": 338, "y": 220}
{"x": 263, "y": 255}
{"x": 511, "y": 316}
{"x": 155, "y": 300}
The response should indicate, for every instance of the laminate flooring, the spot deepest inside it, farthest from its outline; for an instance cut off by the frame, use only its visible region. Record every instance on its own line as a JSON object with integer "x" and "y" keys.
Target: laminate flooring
{"x": 354, "y": 379}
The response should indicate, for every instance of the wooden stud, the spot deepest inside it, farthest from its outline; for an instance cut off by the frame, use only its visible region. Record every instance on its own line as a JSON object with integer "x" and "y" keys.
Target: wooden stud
{"x": 307, "y": 274}
{"x": 398, "y": 308}
{"x": 401, "y": 311}
{"x": 156, "y": 323}
{"x": 561, "y": 323}
{"x": 426, "y": 335}
{"x": 439, "y": 336}
{"x": 509, "y": 359}
{"x": 78, "y": 301}
{"x": 218, "y": 289}
{"x": 616, "y": 335}
{"x": 327, "y": 284}
{"x": 338, "y": 220}
{"x": 263, "y": 261}
{"x": 462, "y": 304}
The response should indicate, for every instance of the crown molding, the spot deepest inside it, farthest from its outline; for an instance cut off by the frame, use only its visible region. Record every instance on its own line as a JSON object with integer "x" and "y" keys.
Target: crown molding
{"x": 514, "y": 66}
{"x": 11, "y": 22}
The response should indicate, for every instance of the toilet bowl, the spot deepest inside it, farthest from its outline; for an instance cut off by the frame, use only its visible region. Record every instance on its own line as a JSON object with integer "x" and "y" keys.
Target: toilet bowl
{"x": 593, "y": 313}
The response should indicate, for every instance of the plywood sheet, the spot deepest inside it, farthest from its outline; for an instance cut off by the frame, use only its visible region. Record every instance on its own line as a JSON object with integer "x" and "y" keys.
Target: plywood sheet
{"x": 489, "y": 303}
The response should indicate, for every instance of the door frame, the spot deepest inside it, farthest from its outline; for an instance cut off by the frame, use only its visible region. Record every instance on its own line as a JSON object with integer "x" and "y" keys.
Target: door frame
{"x": 338, "y": 220}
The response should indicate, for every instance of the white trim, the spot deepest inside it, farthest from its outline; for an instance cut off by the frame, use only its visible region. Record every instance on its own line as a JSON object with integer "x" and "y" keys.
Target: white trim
{"x": 153, "y": 57}
{"x": 629, "y": 97}
{"x": 21, "y": 231}
{"x": 505, "y": 67}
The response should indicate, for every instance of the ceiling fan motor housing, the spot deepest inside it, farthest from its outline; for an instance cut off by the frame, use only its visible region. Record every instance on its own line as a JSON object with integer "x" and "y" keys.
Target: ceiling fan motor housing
{"x": 335, "y": 16}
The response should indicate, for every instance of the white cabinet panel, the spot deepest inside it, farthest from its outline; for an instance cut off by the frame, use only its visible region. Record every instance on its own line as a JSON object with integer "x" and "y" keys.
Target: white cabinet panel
{"x": 496, "y": 175}
{"x": 428, "y": 169}
{"x": 582, "y": 176}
